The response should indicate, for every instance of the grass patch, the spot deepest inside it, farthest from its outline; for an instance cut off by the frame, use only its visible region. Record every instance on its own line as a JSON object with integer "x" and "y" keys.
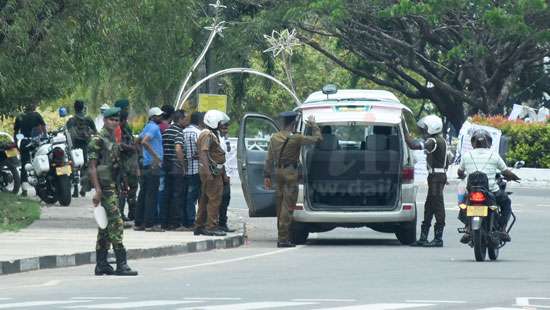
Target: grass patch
{"x": 17, "y": 212}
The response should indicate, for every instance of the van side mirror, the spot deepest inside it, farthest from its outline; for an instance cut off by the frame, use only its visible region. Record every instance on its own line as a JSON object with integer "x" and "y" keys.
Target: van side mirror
{"x": 519, "y": 164}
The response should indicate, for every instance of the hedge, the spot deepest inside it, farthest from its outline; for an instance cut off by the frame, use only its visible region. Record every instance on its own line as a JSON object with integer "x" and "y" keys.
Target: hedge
{"x": 529, "y": 142}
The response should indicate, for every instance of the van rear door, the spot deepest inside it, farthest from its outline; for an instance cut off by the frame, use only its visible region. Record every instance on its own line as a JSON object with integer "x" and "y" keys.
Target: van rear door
{"x": 254, "y": 135}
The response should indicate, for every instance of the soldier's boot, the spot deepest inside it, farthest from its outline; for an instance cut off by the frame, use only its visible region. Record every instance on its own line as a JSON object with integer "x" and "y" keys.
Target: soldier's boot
{"x": 122, "y": 268}
{"x": 102, "y": 267}
{"x": 438, "y": 238}
{"x": 424, "y": 231}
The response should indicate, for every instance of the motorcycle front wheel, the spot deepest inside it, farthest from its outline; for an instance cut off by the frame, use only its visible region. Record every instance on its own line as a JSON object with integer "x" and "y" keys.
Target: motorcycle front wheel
{"x": 10, "y": 181}
{"x": 480, "y": 247}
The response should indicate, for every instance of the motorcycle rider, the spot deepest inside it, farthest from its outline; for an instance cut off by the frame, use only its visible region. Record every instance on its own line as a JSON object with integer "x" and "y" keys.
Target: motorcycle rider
{"x": 483, "y": 159}
{"x": 435, "y": 147}
{"x": 29, "y": 124}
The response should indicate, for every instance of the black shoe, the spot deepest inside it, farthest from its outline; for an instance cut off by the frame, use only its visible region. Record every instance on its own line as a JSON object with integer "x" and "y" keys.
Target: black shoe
{"x": 227, "y": 229}
{"x": 122, "y": 268}
{"x": 102, "y": 267}
{"x": 504, "y": 236}
{"x": 82, "y": 192}
{"x": 285, "y": 244}
{"x": 156, "y": 228}
{"x": 465, "y": 238}
{"x": 139, "y": 228}
{"x": 214, "y": 232}
{"x": 424, "y": 231}
{"x": 198, "y": 231}
{"x": 438, "y": 238}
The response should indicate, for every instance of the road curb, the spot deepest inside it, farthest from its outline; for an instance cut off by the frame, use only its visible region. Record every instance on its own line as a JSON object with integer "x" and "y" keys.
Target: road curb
{"x": 85, "y": 258}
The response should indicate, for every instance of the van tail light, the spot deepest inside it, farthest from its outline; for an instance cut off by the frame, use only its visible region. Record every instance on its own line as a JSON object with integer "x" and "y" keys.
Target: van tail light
{"x": 477, "y": 197}
{"x": 407, "y": 174}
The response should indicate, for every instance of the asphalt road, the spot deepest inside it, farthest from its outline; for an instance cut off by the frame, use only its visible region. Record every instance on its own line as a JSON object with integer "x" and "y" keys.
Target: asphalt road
{"x": 343, "y": 269}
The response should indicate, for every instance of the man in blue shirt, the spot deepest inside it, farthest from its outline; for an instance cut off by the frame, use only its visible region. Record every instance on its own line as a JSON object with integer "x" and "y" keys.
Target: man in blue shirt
{"x": 151, "y": 141}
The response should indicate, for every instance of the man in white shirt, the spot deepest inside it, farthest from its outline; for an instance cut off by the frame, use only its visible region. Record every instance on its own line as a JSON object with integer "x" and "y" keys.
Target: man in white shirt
{"x": 224, "y": 143}
{"x": 482, "y": 159}
{"x": 192, "y": 178}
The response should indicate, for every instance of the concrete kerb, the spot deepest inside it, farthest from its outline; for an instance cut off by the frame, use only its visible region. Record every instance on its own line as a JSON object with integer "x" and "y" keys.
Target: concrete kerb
{"x": 78, "y": 259}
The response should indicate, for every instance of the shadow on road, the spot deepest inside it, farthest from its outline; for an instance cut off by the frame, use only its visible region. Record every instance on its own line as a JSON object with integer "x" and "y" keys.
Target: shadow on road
{"x": 348, "y": 242}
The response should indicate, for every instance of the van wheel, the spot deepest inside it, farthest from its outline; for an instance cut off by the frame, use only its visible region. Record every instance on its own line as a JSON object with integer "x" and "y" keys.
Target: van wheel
{"x": 299, "y": 233}
{"x": 406, "y": 233}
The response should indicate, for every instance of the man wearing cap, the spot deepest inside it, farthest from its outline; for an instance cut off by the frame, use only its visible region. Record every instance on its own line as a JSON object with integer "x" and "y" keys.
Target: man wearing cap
{"x": 282, "y": 159}
{"x": 130, "y": 162}
{"x": 104, "y": 155}
{"x": 151, "y": 140}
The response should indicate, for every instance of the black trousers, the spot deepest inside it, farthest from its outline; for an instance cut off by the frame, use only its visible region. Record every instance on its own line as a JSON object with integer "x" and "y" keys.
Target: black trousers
{"x": 148, "y": 196}
{"x": 435, "y": 202}
{"x": 225, "y": 203}
{"x": 175, "y": 192}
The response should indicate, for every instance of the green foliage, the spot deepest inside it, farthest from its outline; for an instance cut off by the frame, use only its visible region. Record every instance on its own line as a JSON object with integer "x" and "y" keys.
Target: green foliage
{"x": 17, "y": 212}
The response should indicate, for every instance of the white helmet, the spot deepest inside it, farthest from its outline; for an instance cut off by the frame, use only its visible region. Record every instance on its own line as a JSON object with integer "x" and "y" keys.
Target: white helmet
{"x": 104, "y": 107}
{"x": 431, "y": 123}
{"x": 213, "y": 118}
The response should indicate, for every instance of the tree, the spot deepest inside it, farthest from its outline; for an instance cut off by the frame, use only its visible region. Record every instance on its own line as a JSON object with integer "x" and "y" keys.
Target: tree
{"x": 466, "y": 56}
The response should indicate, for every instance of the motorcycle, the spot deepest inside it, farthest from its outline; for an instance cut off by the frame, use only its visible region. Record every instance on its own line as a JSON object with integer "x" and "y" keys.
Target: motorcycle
{"x": 10, "y": 180}
{"x": 482, "y": 215}
{"x": 52, "y": 166}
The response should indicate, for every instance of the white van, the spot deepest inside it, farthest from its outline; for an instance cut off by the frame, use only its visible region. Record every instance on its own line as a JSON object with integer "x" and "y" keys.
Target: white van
{"x": 361, "y": 174}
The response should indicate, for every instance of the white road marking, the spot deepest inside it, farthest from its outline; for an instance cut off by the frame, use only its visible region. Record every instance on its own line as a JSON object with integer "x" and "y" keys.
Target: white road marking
{"x": 325, "y": 300}
{"x": 100, "y": 298}
{"x": 215, "y": 299}
{"x": 251, "y": 306}
{"x": 526, "y": 302}
{"x": 544, "y": 206}
{"x": 233, "y": 259}
{"x": 380, "y": 307}
{"x": 46, "y": 284}
{"x": 498, "y": 308}
{"x": 439, "y": 301}
{"x": 39, "y": 303}
{"x": 5, "y": 298}
{"x": 134, "y": 304}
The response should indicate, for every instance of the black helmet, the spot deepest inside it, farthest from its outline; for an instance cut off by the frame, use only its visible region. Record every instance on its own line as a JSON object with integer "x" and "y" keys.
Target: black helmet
{"x": 481, "y": 139}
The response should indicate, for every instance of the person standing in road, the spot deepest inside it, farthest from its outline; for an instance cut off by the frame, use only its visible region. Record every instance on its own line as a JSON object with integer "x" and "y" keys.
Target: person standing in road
{"x": 174, "y": 173}
{"x": 151, "y": 140}
{"x": 283, "y": 154}
{"x": 192, "y": 177}
{"x": 104, "y": 155}
{"x": 130, "y": 162}
{"x": 226, "y": 197}
{"x": 29, "y": 124}
{"x": 212, "y": 159}
{"x": 435, "y": 147}
{"x": 81, "y": 128}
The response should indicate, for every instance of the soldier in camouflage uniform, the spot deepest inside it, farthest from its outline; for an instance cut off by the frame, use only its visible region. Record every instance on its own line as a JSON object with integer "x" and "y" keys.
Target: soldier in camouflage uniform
{"x": 130, "y": 162}
{"x": 104, "y": 156}
{"x": 283, "y": 154}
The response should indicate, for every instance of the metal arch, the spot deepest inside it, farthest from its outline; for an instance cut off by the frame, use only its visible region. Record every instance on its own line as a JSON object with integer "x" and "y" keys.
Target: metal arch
{"x": 235, "y": 70}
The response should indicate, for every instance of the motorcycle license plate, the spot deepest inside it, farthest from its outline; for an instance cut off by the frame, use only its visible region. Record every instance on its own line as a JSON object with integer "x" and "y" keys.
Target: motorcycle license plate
{"x": 11, "y": 153}
{"x": 477, "y": 211}
{"x": 63, "y": 170}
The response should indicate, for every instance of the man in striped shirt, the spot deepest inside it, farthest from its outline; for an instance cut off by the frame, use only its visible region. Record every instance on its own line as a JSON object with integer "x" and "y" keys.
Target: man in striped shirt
{"x": 174, "y": 173}
{"x": 192, "y": 178}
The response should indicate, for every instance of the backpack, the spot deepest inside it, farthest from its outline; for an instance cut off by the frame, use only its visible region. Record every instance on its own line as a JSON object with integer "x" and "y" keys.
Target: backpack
{"x": 477, "y": 178}
{"x": 80, "y": 129}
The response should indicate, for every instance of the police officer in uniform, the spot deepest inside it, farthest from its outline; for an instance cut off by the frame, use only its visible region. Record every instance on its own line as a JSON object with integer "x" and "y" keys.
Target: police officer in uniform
{"x": 282, "y": 166}
{"x": 104, "y": 155}
{"x": 435, "y": 147}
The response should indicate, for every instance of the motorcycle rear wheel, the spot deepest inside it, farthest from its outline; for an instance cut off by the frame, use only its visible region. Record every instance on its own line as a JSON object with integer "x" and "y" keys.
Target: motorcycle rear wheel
{"x": 63, "y": 188}
{"x": 480, "y": 247}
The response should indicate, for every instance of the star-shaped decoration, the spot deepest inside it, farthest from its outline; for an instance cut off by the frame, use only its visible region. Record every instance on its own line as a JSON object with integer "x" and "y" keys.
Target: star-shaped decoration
{"x": 282, "y": 42}
{"x": 218, "y": 5}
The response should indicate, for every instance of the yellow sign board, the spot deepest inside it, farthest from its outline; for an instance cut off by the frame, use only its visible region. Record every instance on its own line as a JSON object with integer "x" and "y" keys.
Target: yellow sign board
{"x": 212, "y": 102}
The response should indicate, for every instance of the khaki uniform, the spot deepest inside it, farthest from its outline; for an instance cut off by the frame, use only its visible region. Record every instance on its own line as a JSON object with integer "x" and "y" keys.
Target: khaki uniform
{"x": 211, "y": 185}
{"x": 282, "y": 166}
{"x": 106, "y": 152}
{"x": 436, "y": 149}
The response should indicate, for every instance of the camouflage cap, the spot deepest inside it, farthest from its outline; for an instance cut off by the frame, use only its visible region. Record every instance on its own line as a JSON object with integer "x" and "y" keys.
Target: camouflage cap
{"x": 111, "y": 112}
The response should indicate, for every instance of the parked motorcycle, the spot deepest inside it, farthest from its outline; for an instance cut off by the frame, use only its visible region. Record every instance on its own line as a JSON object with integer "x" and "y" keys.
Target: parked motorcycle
{"x": 482, "y": 222}
{"x": 10, "y": 180}
{"x": 52, "y": 165}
